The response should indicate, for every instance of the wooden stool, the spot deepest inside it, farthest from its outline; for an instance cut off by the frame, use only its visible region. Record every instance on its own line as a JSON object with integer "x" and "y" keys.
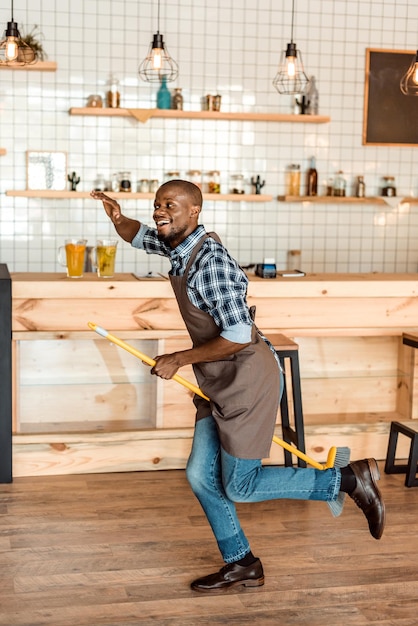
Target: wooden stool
{"x": 289, "y": 350}
{"x": 409, "y": 468}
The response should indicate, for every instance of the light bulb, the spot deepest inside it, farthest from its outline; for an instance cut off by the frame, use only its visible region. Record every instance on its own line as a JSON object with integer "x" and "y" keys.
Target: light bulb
{"x": 290, "y": 66}
{"x": 12, "y": 49}
{"x": 156, "y": 58}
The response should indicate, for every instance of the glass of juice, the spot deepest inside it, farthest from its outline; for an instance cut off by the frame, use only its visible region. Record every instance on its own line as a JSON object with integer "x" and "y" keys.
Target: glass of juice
{"x": 105, "y": 257}
{"x": 75, "y": 250}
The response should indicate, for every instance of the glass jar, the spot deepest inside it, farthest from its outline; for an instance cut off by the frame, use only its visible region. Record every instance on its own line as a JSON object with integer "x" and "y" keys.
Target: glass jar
{"x": 293, "y": 180}
{"x": 100, "y": 183}
{"x": 95, "y": 101}
{"x": 177, "y": 99}
{"x": 115, "y": 182}
{"x": 214, "y": 182}
{"x": 237, "y": 183}
{"x": 389, "y": 188}
{"x": 153, "y": 185}
{"x": 340, "y": 185}
{"x": 330, "y": 186}
{"x": 143, "y": 185}
{"x": 125, "y": 181}
{"x": 174, "y": 175}
{"x": 195, "y": 177}
{"x": 113, "y": 95}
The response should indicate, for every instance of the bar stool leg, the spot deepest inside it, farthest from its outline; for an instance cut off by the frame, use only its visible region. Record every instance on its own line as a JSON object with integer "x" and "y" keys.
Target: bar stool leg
{"x": 410, "y": 478}
{"x": 294, "y": 435}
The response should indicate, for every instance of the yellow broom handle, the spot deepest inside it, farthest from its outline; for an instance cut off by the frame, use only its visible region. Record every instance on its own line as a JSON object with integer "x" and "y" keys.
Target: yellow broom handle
{"x": 144, "y": 358}
{"x": 148, "y": 361}
{"x": 298, "y": 453}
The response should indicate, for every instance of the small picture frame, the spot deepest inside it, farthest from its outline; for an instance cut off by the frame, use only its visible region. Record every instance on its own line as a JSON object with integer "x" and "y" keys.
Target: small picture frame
{"x": 46, "y": 170}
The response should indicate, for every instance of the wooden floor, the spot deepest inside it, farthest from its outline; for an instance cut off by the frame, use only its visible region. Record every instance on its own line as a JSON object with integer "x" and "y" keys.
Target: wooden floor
{"x": 122, "y": 549}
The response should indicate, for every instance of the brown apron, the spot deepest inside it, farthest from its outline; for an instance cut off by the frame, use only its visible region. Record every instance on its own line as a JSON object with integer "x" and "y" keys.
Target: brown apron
{"x": 243, "y": 388}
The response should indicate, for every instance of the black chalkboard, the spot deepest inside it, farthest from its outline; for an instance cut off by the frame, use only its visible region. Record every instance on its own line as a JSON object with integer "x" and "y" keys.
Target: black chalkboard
{"x": 390, "y": 117}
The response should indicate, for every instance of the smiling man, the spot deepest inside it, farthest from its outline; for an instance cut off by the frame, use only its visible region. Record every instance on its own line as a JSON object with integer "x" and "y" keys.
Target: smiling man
{"x": 238, "y": 369}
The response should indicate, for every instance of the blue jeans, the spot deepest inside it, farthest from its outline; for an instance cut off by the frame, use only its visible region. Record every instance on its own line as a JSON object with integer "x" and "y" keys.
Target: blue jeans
{"x": 219, "y": 479}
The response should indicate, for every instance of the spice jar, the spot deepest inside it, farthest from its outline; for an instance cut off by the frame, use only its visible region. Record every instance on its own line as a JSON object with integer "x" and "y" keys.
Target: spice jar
{"x": 125, "y": 181}
{"x": 115, "y": 182}
{"x": 293, "y": 180}
{"x": 339, "y": 185}
{"x": 143, "y": 185}
{"x": 195, "y": 177}
{"x": 100, "y": 183}
{"x": 217, "y": 102}
{"x": 177, "y": 99}
{"x": 95, "y": 101}
{"x": 214, "y": 184}
{"x": 174, "y": 175}
{"x": 237, "y": 183}
{"x": 153, "y": 185}
{"x": 389, "y": 188}
{"x": 113, "y": 95}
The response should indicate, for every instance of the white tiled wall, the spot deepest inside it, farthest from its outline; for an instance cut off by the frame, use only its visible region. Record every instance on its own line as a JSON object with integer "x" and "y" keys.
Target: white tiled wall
{"x": 231, "y": 48}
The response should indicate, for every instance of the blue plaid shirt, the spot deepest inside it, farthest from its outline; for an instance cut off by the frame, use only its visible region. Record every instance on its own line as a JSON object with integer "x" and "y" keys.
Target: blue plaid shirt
{"x": 216, "y": 284}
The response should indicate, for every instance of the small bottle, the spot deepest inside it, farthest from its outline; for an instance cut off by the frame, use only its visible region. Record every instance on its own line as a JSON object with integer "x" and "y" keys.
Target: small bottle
{"x": 339, "y": 185}
{"x": 125, "y": 181}
{"x": 153, "y": 185}
{"x": 293, "y": 180}
{"x": 177, "y": 99}
{"x": 360, "y": 187}
{"x": 113, "y": 95}
{"x": 312, "y": 179}
{"x": 389, "y": 188}
{"x": 313, "y": 97}
{"x": 163, "y": 95}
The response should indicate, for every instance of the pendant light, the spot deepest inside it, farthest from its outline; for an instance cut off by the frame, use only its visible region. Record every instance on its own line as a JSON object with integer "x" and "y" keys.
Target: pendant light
{"x": 291, "y": 77}
{"x": 409, "y": 82}
{"x": 158, "y": 63}
{"x": 13, "y": 50}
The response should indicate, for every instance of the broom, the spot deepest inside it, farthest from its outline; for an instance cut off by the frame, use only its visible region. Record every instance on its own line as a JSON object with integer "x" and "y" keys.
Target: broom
{"x": 337, "y": 457}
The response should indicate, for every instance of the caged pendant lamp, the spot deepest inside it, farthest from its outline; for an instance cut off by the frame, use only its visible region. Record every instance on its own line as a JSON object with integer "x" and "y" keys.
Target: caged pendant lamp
{"x": 291, "y": 78}
{"x": 13, "y": 50}
{"x": 409, "y": 82}
{"x": 158, "y": 63}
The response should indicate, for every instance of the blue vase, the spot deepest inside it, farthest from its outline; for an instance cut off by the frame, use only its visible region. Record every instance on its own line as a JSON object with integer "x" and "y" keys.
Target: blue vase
{"x": 163, "y": 95}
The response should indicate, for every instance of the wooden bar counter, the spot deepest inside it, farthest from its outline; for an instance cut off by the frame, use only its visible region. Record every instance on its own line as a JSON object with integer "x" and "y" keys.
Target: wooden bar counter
{"x": 81, "y": 404}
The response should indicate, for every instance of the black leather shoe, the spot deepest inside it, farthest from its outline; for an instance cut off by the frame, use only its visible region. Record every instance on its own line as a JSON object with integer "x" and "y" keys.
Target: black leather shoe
{"x": 367, "y": 496}
{"x": 231, "y": 575}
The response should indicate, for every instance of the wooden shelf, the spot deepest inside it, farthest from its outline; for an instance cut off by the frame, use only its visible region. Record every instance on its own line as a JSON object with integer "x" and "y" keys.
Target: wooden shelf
{"x": 3, "y": 151}
{"x": 342, "y": 199}
{"x": 39, "y": 66}
{"x": 144, "y": 115}
{"x": 79, "y": 195}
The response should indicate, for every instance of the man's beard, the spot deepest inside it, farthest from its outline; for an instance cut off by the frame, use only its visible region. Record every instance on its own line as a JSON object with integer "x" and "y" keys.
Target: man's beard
{"x": 173, "y": 235}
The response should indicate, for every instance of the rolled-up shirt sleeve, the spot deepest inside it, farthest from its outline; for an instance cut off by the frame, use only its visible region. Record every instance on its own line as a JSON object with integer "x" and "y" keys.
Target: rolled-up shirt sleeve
{"x": 238, "y": 333}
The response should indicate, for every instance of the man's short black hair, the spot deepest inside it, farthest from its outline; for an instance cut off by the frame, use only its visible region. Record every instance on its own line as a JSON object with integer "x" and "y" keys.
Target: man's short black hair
{"x": 190, "y": 189}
